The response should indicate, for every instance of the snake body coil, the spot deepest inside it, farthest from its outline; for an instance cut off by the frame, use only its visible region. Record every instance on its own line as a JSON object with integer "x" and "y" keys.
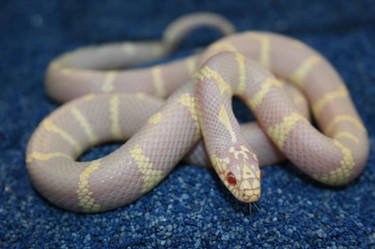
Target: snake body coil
{"x": 171, "y": 129}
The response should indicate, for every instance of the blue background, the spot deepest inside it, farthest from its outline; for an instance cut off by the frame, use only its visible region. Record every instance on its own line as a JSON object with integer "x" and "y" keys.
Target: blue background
{"x": 190, "y": 208}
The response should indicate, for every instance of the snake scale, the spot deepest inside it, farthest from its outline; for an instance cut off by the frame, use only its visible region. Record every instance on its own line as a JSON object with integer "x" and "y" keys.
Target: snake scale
{"x": 108, "y": 103}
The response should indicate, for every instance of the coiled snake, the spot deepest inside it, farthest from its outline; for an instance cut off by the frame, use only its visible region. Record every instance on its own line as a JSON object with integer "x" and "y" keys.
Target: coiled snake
{"x": 116, "y": 103}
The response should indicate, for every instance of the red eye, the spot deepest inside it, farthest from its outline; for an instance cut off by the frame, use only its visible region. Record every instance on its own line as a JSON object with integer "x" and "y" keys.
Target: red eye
{"x": 261, "y": 175}
{"x": 231, "y": 178}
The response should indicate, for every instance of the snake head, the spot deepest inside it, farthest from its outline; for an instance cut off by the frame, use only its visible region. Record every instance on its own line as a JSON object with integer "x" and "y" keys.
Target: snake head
{"x": 240, "y": 173}
{"x": 243, "y": 181}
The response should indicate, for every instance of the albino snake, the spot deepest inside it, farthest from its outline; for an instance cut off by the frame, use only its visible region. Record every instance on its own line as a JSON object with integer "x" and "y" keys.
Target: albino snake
{"x": 117, "y": 103}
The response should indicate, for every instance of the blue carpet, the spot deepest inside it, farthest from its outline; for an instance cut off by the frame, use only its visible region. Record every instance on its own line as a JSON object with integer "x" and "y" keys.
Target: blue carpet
{"x": 191, "y": 208}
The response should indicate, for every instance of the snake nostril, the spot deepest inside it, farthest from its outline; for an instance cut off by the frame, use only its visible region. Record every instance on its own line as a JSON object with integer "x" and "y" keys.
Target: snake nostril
{"x": 231, "y": 178}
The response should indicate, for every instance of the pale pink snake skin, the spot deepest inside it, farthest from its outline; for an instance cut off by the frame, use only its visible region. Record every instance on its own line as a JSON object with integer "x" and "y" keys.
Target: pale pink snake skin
{"x": 117, "y": 103}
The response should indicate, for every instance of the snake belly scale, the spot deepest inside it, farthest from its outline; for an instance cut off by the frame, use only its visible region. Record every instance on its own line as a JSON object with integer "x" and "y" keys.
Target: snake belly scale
{"x": 125, "y": 104}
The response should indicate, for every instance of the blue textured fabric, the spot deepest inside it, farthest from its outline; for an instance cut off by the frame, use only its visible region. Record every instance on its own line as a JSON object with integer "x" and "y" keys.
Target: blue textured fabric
{"x": 190, "y": 208}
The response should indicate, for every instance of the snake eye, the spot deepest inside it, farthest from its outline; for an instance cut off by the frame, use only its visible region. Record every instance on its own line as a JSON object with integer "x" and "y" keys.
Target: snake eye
{"x": 231, "y": 178}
